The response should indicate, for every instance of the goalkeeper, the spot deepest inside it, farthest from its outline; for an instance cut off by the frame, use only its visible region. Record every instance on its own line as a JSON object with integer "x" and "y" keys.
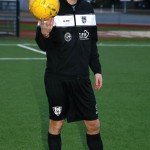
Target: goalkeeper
{"x": 69, "y": 40}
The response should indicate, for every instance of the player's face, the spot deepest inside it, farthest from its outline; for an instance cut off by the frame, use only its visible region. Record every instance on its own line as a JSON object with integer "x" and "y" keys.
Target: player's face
{"x": 72, "y": 1}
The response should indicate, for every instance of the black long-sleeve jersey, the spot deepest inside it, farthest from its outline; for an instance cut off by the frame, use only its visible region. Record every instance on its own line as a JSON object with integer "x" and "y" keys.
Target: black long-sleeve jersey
{"x": 71, "y": 48}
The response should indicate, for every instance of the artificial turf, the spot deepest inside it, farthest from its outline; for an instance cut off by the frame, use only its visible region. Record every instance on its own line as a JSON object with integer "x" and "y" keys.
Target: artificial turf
{"x": 123, "y": 102}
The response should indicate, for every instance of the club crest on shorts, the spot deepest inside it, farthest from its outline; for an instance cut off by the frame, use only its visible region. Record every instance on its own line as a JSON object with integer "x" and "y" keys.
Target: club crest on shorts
{"x": 57, "y": 110}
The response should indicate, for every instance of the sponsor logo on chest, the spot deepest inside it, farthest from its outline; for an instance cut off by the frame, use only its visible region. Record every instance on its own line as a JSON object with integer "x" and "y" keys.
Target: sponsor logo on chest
{"x": 67, "y": 36}
{"x": 84, "y": 35}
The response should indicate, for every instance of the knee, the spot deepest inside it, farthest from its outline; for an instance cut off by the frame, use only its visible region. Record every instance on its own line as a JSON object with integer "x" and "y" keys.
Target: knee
{"x": 55, "y": 127}
{"x": 93, "y": 127}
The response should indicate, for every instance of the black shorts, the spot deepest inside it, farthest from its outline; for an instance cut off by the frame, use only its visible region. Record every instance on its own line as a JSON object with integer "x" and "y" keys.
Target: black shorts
{"x": 71, "y": 99}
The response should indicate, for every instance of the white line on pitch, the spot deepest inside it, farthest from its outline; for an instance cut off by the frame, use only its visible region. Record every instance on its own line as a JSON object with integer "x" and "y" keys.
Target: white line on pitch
{"x": 29, "y": 44}
{"x": 22, "y": 58}
{"x": 8, "y": 45}
{"x": 124, "y": 45}
{"x": 26, "y": 44}
{"x": 31, "y": 49}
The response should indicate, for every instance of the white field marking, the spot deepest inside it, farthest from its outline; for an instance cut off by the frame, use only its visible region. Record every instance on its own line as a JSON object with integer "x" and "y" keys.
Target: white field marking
{"x": 127, "y": 36}
{"x": 22, "y": 58}
{"x": 123, "y": 45}
{"x": 31, "y": 49}
{"x": 26, "y": 44}
{"x": 8, "y": 44}
{"x": 98, "y": 44}
{"x": 142, "y": 45}
{"x": 29, "y": 44}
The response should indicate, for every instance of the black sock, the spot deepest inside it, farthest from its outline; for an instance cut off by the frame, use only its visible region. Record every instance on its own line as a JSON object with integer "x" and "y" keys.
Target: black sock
{"x": 94, "y": 142}
{"x": 54, "y": 142}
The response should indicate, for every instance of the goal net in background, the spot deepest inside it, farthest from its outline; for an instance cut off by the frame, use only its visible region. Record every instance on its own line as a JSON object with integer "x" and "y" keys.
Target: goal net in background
{"x": 9, "y": 17}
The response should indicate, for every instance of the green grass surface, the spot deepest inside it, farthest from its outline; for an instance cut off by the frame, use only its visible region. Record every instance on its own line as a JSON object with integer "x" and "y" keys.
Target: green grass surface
{"x": 29, "y": 27}
{"x": 123, "y": 101}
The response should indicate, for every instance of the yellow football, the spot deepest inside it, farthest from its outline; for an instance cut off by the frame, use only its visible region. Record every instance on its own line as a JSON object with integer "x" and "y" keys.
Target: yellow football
{"x": 44, "y": 9}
